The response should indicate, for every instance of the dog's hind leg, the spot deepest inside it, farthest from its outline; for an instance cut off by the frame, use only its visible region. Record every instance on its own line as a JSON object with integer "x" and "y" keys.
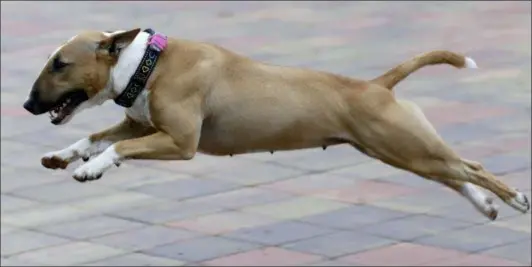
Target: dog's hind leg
{"x": 401, "y": 136}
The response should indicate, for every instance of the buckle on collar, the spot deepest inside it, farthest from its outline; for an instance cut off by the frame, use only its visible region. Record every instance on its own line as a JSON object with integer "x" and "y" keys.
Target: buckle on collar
{"x": 158, "y": 42}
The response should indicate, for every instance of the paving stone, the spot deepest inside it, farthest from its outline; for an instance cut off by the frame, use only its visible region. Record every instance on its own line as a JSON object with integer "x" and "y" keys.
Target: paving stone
{"x": 19, "y": 178}
{"x": 333, "y": 263}
{"x": 475, "y": 260}
{"x": 474, "y": 239}
{"x": 367, "y": 191}
{"x": 501, "y": 164}
{"x": 15, "y": 262}
{"x": 186, "y": 188}
{"x": 242, "y": 197}
{"x": 69, "y": 254}
{"x": 413, "y": 227}
{"x": 421, "y": 202}
{"x": 254, "y": 173}
{"x": 62, "y": 192}
{"x": 295, "y": 208}
{"x": 144, "y": 238}
{"x": 278, "y": 233}
{"x": 201, "y": 249}
{"x": 354, "y": 217}
{"x": 317, "y": 160}
{"x": 10, "y": 203}
{"x": 44, "y": 215}
{"x": 222, "y": 222}
{"x": 130, "y": 176}
{"x": 121, "y": 200}
{"x": 23, "y": 240}
{"x": 309, "y": 184}
{"x": 90, "y": 227}
{"x": 338, "y": 244}
{"x": 401, "y": 254}
{"x": 136, "y": 259}
{"x": 271, "y": 256}
{"x": 367, "y": 170}
{"x": 518, "y": 223}
{"x": 409, "y": 180}
{"x": 518, "y": 251}
{"x": 165, "y": 212}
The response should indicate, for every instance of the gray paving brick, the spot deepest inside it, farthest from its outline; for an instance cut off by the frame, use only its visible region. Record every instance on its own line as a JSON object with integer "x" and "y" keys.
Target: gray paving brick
{"x": 339, "y": 243}
{"x": 43, "y": 215}
{"x": 144, "y": 238}
{"x": 136, "y": 259}
{"x": 165, "y": 212}
{"x": 19, "y": 178}
{"x": 23, "y": 240}
{"x": 10, "y": 203}
{"x": 254, "y": 173}
{"x": 502, "y": 164}
{"x": 68, "y": 254}
{"x": 354, "y": 217}
{"x": 15, "y": 262}
{"x": 278, "y": 233}
{"x": 91, "y": 227}
{"x": 186, "y": 188}
{"x": 474, "y": 239}
{"x": 519, "y": 251}
{"x": 62, "y": 192}
{"x": 201, "y": 249}
{"x": 412, "y": 227}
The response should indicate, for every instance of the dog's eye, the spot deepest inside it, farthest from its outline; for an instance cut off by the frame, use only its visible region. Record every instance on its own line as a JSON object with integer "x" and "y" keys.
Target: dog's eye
{"x": 58, "y": 65}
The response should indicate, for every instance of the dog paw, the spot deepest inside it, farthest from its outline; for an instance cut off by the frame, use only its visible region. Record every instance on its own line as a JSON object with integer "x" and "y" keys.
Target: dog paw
{"x": 88, "y": 172}
{"x": 520, "y": 202}
{"x": 53, "y": 162}
{"x": 486, "y": 207}
{"x": 95, "y": 168}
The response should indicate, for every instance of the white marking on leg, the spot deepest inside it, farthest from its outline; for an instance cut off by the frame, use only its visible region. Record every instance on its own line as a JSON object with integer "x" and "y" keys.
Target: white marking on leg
{"x": 482, "y": 202}
{"x": 97, "y": 166}
{"x": 82, "y": 148}
{"x": 470, "y": 63}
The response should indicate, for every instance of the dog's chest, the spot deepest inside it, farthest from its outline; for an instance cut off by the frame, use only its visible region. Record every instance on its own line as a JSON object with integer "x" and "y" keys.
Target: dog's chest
{"x": 140, "y": 111}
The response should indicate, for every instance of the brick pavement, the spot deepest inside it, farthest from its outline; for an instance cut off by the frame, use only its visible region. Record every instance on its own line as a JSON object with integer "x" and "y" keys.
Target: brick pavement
{"x": 293, "y": 208}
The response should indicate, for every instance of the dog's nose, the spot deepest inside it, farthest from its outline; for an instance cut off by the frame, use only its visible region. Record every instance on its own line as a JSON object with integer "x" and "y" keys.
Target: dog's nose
{"x": 29, "y": 105}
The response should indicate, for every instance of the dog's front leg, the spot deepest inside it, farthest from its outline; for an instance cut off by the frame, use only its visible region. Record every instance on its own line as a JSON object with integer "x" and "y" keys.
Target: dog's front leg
{"x": 94, "y": 144}
{"x": 158, "y": 146}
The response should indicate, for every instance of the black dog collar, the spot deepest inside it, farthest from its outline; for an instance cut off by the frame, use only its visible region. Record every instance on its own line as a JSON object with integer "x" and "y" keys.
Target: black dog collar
{"x": 156, "y": 44}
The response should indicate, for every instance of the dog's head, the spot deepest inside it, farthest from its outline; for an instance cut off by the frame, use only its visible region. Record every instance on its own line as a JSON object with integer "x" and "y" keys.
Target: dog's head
{"x": 77, "y": 75}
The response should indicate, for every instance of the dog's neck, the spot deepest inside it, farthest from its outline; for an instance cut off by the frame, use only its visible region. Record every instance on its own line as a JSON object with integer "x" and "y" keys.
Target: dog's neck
{"x": 128, "y": 61}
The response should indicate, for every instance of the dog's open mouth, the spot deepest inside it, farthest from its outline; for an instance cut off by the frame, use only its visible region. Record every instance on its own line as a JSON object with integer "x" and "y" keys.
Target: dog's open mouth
{"x": 66, "y": 105}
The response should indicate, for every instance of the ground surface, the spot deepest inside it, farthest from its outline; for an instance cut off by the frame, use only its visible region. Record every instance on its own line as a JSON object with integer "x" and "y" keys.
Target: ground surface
{"x": 295, "y": 208}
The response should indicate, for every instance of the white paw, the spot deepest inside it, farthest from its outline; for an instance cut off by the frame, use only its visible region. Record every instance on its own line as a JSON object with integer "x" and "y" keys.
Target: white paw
{"x": 95, "y": 168}
{"x": 520, "y": 202}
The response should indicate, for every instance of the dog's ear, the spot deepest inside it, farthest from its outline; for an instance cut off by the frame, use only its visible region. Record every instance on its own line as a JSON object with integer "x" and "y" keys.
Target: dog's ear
{"x": 113, "y": 43}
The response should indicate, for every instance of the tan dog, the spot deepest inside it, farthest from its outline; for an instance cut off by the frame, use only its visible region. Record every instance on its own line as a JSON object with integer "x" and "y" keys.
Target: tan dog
{"x": 204, "y": 98}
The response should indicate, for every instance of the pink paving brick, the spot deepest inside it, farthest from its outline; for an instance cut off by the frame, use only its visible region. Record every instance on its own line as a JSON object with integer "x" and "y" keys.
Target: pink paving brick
{"x": 366, "y": 191}
{"x": 402, "y": 254}
{"x": 270, "y": 256}
{"x": 475, "y": 260}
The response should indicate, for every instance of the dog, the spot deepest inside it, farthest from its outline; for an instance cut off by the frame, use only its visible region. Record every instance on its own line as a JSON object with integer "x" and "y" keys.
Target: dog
{"x": 183, "y": 97}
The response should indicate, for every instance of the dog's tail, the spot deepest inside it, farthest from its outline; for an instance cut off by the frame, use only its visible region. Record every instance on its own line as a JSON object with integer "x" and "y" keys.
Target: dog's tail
{"x": 397, "y": 74}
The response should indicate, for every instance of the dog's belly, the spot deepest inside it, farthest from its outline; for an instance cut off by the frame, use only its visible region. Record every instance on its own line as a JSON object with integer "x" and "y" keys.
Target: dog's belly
{"x": 219, "y": 137}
